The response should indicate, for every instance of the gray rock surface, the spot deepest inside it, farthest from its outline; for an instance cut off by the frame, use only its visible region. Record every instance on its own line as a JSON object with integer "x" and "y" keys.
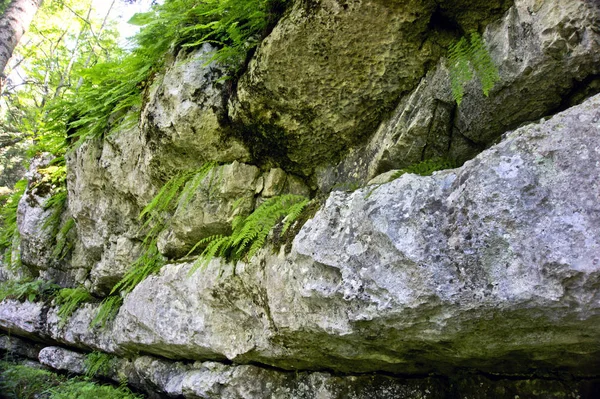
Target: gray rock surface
{"x": 181, "y": 121}
{"x": 424, "y": 274}
{"x": 63, "y": 359}
{"x": 306, "y": 87}
{"x": 547, "y": 54}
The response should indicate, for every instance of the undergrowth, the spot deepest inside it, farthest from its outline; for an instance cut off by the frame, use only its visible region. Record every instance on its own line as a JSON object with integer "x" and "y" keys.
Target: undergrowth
{"x": 25, "y": 382}
{"x": 28, "y": 289}
{"x": 250, "y": 233}
{"x": 8, "y": 221}
{"x": 465, "y": 56}
{"x": 98, "y": 363}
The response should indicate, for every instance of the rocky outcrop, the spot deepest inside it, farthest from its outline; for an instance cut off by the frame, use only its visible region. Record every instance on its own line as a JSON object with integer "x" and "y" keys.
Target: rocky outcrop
{"x": 422, "y": 282}
{"x": 548, "y": 57}
{"x": 418, "y": 275}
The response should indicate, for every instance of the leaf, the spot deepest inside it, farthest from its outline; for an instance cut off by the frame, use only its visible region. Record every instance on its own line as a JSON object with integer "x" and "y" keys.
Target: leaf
{"x": 141, "y": 18}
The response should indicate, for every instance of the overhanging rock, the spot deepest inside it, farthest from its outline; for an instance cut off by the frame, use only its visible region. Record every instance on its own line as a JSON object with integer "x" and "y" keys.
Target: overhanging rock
{"x": 493, "y": 266}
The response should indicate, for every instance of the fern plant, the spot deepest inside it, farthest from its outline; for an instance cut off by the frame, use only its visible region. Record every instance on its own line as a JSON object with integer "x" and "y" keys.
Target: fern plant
{"x": 149, "y": 262}
{"x": 468, "y": 55}
{"x": 98, "y": 362}
{"x": 107, "y": 311}
{"x": 62, "y": 246}
{"x": 8, "y": 221}
{"x": 69, "y": 300}
{"x": 112, "y": 89}
{"x": 250, "y": 233}
{"x": 169, "y": 195}
{"x": 27, "y": 289}
{"x": 426, "y": 167}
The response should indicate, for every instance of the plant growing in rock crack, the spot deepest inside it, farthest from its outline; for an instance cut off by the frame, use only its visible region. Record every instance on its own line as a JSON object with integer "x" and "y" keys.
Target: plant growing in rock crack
{"x": 178, "y": 190}
{"x": 27, "y": 289}
{"x": 107, "y": 311}
{"x": 465, "y": 56}
{"x": 426, "y": 167}
{"x": 250, "y": 233}
{"x": 69, "y": 300}
{"x": 98, "y": 363}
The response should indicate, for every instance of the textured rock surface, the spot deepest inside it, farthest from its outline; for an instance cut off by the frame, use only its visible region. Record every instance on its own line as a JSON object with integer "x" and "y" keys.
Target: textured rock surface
{"x": 36, "y": 237}
{"x": 181, "y": 120}
{"x": 306, "y": 88}
{"x": 548, "y": 55}
{"x": 423, "y": 274}
{"x": 13, "y": 346}
{"x": 62, "y": 359}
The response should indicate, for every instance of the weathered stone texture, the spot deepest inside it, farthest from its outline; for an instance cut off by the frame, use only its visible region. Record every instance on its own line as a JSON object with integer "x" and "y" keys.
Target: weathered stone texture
{"x": 424, "y": 274}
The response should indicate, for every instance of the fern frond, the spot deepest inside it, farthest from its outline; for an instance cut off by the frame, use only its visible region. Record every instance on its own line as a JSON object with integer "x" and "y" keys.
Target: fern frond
{"x": 249, "y": 234}
{"x": 426, "y": 167}
{"x": 107, "y": 311}
{"x": 466, "y": 54}
{"x": 98, "y": 362}
{"x": 68, "y": 300}
{"x": 148, "y": 263}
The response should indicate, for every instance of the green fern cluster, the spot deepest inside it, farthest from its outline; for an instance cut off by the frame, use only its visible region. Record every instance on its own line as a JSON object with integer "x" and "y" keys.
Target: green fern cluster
{"x": 426, "y": 167}
{"x": 112, "y": 89}
{"x": 63, "y": 246}
{"x": 8, "y": 221}
{"x": 250, "y": 233}
{"x": 27, "y": 289}
{"x": 98, "y": 362}
{"x": 69, "y": 300}
{"x": 149, "y": 262}
{"x": 468, "y": 55}
{"x": 107, "y": 311}
{"x": 170, "y": 194}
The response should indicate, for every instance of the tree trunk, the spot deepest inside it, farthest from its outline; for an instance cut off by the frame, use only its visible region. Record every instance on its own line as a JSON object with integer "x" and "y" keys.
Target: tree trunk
{"x": 13, "y": 24}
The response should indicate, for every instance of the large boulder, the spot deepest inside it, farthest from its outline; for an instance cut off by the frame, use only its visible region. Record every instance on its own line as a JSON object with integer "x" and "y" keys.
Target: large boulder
{"x": 329, "y": 71}
{"x": 492, "y": 266}
{"x": 182, "y": 120}
{"x": 548, "y": 57}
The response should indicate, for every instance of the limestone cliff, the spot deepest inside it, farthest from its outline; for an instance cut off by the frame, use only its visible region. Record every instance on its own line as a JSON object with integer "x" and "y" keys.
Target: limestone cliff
{"x": 475, "y": 282}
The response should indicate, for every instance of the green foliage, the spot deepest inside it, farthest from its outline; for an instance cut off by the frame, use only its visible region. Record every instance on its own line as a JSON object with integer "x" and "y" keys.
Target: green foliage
{"x": 249, "y": 234}
{"x": 113, "y": 88}
{"x": 107, "y": 311}
{"x": 149, "y": 262}
{"x": 82, "y": 389}
{"x": 8, "y": 220}
{"x": 170, "y": 194}
{"x": 23, "y": 382}
{"x": 27, "y": 289}
{"x": 426, "y": 167}
{"x": 98, "y": 362}
{"x": 63, "y": 247}
{"x": 69, "y": 300}
{"x": 465, "y": 56}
